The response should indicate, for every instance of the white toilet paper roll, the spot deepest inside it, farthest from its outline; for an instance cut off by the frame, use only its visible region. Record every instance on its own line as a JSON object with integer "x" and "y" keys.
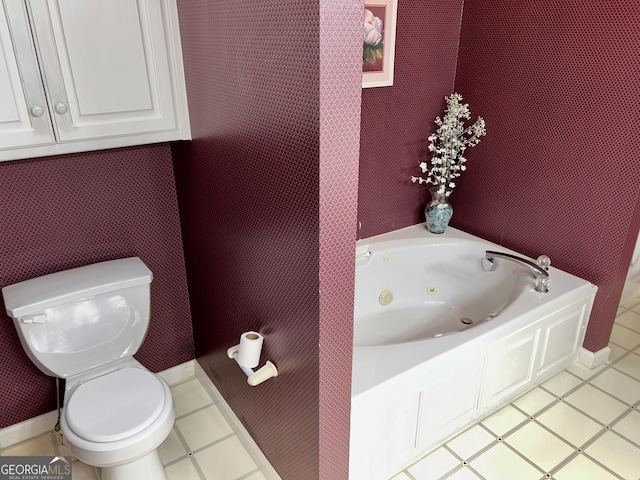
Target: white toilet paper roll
{"x": 250, "y": 348}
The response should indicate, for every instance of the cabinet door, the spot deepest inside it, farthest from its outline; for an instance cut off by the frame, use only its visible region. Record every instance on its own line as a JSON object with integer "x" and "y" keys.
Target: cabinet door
{"x": 383, "y": 432}
{"x": 510, "y": 367}
{"x": 561, "y": 339}
{"x": 106, "y": 66}
{"x": 24, "y": 119}
{"x": 449, "y": 398}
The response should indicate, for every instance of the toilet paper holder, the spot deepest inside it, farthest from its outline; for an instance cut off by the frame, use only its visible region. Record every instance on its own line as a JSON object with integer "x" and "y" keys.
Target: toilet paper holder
{"x": 247, "y": 355}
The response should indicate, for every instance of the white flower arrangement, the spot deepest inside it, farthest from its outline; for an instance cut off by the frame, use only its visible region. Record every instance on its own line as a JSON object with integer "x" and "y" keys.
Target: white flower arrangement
{"x": 448, "y": 145}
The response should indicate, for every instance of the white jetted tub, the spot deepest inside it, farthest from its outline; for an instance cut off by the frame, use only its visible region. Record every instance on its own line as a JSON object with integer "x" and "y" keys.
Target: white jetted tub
{"x": 440, "y": 343}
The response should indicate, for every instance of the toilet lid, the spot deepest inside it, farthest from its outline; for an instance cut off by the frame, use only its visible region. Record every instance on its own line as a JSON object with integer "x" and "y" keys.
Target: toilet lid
{"x": 116, "y": 405}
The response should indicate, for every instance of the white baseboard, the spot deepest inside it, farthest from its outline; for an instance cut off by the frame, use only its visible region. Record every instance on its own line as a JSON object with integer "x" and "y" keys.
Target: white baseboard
{"x": 29, "y": 428}
{"x": 593, "y": 359}
{"x": 179, "y": 373}
{"x": 46, "y": 422}
{"x": 243, "y": 435}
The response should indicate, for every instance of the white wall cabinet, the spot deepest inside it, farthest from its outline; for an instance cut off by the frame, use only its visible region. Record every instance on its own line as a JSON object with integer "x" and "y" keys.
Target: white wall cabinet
{"x": 78, "y": 75}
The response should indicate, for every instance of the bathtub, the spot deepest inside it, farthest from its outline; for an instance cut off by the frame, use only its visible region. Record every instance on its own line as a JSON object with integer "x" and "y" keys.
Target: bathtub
{"x": 440, "y": 343}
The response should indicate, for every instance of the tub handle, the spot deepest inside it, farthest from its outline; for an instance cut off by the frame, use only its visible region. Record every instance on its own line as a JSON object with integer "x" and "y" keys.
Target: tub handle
{"x": 539, "y": 272}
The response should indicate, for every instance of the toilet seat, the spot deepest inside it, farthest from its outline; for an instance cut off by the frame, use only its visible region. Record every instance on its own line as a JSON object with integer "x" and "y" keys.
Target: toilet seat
{"x": 116, "y": 405}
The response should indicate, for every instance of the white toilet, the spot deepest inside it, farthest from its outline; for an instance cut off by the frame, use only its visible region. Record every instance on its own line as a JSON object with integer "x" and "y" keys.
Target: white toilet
{"x": 85, "y": 325}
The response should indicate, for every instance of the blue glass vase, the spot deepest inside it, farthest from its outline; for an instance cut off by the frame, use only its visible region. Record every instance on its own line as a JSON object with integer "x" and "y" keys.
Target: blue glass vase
{"x": 437, "y": 212}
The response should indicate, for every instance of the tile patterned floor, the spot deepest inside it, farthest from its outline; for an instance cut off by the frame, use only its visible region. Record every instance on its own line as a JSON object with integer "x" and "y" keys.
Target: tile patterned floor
{"x": 580, "y": 425}
{"x": 201, "y": 446}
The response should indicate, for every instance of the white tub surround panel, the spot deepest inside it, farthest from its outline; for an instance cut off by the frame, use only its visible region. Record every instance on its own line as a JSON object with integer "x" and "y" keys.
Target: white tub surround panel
{"x": 410, "y": 397}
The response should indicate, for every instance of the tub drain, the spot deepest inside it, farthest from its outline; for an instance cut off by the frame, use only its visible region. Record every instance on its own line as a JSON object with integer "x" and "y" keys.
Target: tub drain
{"x": 466, "y": 321}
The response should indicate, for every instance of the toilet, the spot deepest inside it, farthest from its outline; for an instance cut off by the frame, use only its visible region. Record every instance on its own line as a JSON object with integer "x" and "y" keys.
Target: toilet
{"x": 85, "y": 325}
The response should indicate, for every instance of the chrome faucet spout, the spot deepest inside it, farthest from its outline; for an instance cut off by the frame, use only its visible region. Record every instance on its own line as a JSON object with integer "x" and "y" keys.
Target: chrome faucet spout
{"x": 540, "y": 273}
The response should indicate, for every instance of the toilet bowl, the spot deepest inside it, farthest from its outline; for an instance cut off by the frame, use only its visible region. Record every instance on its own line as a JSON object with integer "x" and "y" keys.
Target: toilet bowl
{"x": 84, "y": 325}
{"x": 117, "y": 421}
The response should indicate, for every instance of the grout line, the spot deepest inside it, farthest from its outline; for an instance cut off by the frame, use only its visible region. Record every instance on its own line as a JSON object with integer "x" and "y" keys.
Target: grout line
{"x": 248, "y": 474}
{"x": 564, "y": 463}
{"x": 191, "y": 454}
{"x": 197, "y": 467}
{"x": 183, "y": 442}
{"x": 625, "y": 373}
{"x": 52, "y": 438}
{"x": 604, "y": 467}
{"x": 199, "y": 409}
{"x": 622, "y": 346}
{"x": 532, "y": 416}
{"x": 475, "y": 472}
{"x": 460, "y": 466}
{"x": 528, "y": 460}
{"x": 407, "y": 473}
{"x": 464, "y": 463}
{"x": 215, "y": 442}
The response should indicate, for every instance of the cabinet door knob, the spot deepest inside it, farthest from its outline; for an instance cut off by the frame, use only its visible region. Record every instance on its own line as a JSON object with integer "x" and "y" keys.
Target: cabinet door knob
{"x": 61, "y": 108}
{"x": 37, "y": 111}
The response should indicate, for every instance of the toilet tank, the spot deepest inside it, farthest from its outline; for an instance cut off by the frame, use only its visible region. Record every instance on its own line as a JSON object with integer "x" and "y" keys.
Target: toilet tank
{"x": 75, "y": 320}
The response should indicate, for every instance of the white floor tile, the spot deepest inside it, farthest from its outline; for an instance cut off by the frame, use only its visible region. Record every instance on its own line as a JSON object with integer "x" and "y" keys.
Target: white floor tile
{"x": 182, "y": 470}
{"x": 619, "y": 385}
{"x": 630, "y": 319}
{"x": 500, "y": 463}
{"x": 534, "y": 401}
{"x": 225, "y": 460}
{"x": 634, "y": 306}
{"x": 401, "y": 476}
{"x": 171, "y": 449}
{"x": 562, "y": 383}
{"x": 615, "y": 353}
{"x": 569, "y": 423}
{"x": 581, "y": 468}
{"x": 504, "y": 420}
{"x": 596, "y": 404}
{"x": 434, "y": 465}
{"x": 464, "y": 474}
{"x": 471, "y": 441}
{"x": 584, "y": 372}
{"x": 630, "y": 365}
{"x": 624, "y": 337}
{"x": 616, "y": 454}
{"x": 260, "y": 476}
{"x": 203, "y": 427}
{"x": 40, "y": 445}
{"x": 189, "y": 396}
{"x": 629, "y": 426}
{"x": 82, "y": 471}
{"x": 539, "y": 446}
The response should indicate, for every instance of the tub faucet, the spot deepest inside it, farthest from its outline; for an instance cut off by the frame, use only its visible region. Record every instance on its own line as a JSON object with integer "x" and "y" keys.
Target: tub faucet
{"x": 539, "y": 270}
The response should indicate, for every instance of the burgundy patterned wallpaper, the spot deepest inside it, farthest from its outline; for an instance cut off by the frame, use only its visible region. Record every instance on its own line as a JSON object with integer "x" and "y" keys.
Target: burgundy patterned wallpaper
{"x": 340, "y": 90}
{"x": 397, "y": 120}
{"x": 559, "y": 171}
{"x": 249, "y": 194}
{"x": 67, "y": 211}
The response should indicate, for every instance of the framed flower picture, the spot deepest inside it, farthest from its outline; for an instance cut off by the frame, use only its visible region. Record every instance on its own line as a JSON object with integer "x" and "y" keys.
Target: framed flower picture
{"x": 379, "y": 42}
